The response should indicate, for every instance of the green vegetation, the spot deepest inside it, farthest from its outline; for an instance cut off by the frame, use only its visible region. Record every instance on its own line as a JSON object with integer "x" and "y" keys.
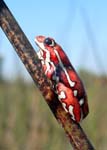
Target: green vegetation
{"x": 26, "y": 122}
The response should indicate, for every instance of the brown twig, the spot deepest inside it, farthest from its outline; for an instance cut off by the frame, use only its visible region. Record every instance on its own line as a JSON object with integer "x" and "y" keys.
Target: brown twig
{"x": 29, "y": 58}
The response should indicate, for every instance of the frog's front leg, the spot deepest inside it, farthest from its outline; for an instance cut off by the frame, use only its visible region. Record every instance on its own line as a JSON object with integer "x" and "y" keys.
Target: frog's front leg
{"x": 48, "y": 69}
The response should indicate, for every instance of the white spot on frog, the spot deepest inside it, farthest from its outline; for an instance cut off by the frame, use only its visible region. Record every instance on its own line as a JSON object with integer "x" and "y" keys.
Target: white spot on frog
{"x": 42, "y": 62}
{"x": 64, "y": 106}
{"x": 71, "y": 112}
{"x": 62, "y": 95}
{"x": 81, "y": 101}
{"x": 47, "y": 67}
{"x": 40, "y": 54}
{"x": 75, "y": 93}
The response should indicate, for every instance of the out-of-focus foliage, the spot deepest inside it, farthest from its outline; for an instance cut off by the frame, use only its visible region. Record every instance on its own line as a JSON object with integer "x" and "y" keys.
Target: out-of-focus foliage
{"x": 26, "y": 122}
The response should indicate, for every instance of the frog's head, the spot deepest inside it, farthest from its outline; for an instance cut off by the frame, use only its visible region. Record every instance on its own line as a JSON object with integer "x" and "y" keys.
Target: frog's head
{"x": 46, "y": 46}
{"x": 45, "y": 43}
{"x": 49, "y": 50}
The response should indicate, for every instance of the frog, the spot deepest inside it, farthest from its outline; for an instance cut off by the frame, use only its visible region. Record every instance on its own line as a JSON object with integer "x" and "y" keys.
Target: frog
{"x": 66, "y": 82}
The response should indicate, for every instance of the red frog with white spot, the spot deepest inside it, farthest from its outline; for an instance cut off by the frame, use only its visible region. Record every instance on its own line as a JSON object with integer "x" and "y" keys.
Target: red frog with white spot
{"x": 67, "y": 84}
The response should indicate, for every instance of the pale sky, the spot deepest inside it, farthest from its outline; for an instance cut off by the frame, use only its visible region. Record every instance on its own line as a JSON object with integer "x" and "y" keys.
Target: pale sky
{"x": 79, "y": 26}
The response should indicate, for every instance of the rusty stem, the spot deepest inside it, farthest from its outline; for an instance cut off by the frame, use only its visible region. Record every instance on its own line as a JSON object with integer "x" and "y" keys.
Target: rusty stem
{"x": 74, "y": 132}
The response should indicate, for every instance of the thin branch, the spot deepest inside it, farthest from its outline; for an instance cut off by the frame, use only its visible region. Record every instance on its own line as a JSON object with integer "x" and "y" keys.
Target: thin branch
{"x": 29, "y": 58}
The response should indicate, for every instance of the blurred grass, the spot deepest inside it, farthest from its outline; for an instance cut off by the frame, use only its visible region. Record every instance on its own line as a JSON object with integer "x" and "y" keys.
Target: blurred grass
{"x": 26, "y": 122}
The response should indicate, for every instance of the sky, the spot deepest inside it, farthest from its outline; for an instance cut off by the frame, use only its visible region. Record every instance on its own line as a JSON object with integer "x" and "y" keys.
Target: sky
{"x": 79, "y": 26}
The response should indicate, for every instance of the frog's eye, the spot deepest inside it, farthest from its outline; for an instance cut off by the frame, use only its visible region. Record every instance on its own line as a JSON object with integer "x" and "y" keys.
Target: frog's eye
{"x": 49, "y": 42}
